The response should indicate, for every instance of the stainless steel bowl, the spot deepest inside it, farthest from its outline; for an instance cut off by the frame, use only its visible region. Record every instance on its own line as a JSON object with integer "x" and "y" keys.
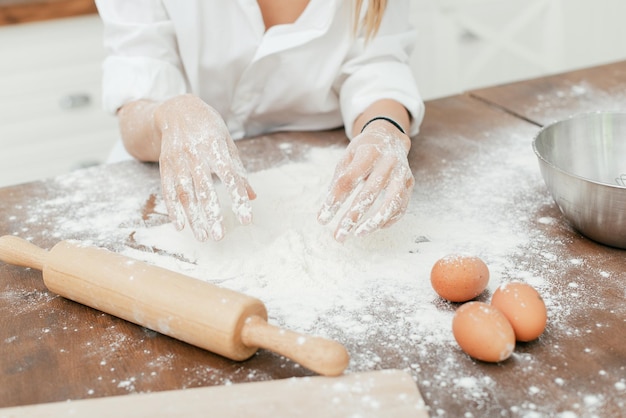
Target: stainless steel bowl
{"x": 583, "y": 162}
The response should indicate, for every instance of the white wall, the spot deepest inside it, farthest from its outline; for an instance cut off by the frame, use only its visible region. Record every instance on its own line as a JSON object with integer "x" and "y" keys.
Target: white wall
{"x": 463, "y": 44}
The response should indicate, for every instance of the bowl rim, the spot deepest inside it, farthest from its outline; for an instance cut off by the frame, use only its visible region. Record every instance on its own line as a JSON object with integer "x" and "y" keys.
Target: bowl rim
{"x": 565, "y": 120}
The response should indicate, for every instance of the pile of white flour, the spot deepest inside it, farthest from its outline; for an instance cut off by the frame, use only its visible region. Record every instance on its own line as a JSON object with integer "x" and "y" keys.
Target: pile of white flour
{"x": 309, "y": 281}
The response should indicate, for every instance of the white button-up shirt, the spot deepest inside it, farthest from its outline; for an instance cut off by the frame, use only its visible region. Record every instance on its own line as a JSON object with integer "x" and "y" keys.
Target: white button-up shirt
{"x": 310, "y": 75}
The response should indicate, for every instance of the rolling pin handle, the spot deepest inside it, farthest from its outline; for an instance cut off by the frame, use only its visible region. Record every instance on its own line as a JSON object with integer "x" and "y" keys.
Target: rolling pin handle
{"x": 325, "y": 357}
{"x": 18, "y": 251}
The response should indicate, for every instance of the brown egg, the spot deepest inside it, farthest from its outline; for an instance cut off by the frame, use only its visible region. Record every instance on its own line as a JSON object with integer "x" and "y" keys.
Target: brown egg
{"x": 459, "y": 278}
{"x": 523, "y": 307}
{"x": 483, "y": 332}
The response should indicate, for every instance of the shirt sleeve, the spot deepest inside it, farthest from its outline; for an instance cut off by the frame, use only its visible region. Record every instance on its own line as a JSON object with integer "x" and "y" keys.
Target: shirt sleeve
{"x": 142, "y": 59}
{"x": 379, "y": 69}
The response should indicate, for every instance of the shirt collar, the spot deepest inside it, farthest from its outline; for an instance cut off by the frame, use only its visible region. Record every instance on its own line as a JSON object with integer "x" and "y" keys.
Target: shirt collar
{"x": 313, "y": 23}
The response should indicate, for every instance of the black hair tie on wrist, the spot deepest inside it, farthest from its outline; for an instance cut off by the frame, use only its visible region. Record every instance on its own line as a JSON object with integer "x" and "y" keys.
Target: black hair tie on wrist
{"x": 393, "y": 122}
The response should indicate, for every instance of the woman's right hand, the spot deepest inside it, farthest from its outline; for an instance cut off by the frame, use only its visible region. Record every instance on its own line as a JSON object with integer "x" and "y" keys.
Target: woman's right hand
{"x": 195, "y": 144}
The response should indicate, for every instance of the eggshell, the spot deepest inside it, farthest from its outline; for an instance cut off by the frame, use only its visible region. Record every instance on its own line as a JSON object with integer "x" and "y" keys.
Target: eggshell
{"x": 459, "y": 278}
{"x": 523, "y": 307}
{"x": 483, "y": 332}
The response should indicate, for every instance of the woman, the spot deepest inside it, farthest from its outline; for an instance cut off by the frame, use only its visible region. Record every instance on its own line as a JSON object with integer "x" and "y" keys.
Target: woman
{"x": 186, "y": 78}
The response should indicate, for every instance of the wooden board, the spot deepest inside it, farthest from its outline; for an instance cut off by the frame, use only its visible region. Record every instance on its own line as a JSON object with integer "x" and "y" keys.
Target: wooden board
{"x": 386, "y": 393}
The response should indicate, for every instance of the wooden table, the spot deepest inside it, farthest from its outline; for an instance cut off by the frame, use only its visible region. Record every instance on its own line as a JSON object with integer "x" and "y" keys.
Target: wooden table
{"x": 55, "y": 350}
{"x": 551, "y": 98}
{"x": 23, "y": 11}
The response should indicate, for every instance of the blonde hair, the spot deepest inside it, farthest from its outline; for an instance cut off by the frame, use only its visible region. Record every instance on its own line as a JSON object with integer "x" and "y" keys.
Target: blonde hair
{"x": 373, "y": 16}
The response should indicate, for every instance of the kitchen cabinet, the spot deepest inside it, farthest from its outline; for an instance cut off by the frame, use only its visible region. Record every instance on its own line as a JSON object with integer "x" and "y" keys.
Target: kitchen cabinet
{"x": 51, "y": 119}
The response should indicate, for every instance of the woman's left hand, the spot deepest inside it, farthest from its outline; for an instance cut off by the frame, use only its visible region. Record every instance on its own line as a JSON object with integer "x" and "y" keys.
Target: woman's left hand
{"x": 377, "y": 160}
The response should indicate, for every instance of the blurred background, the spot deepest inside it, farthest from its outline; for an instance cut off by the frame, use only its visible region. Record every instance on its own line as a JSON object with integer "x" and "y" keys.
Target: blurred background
{"x": 51, "y": 120}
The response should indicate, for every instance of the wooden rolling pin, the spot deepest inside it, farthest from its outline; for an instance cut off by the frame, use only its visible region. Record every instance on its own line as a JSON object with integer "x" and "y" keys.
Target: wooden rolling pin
{"x": 219, "y": 320}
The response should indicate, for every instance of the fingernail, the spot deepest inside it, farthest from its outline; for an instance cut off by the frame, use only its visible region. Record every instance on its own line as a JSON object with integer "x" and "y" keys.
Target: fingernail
{"x": 217, "y": 231}
{"x": 363, "y": 229}
{"x": 179, "y": 221}
{"x": 243, "y": 213}
{"x": 341, "y": 235}
{"x": 327, "y": 212}
{"x": 201, "y": 234}
{"x": 368, "y": 226}
{"x": 345, "y": 227}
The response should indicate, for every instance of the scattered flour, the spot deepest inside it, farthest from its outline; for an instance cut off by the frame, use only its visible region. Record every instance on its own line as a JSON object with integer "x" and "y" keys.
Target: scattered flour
{"x": 367, "y": 292}
{"x": 307, "y": 279}
{"x": 573, "y": 97}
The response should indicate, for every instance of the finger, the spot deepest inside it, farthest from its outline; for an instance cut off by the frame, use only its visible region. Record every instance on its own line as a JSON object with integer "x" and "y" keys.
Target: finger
{"x": 170, "y": 197}
{"x": 393, "y": 206}
{"x": 374, "y": 185}
{"x": 250, "y": 191}
{"x": 193, "y": 210}
{"x": 238, "y": 189}
{"x": 346, "y": 178}
{"x": 406, "y": 195}
{"x": 209, "y": 202}
{"x": 236, "y": 184}
{"x": 239, "y": 168}
{"x": 242, "y": 178}
{"x": 394, "y": 218}
{"x": 330, "y": 207}
{"x": 233, "y": 153}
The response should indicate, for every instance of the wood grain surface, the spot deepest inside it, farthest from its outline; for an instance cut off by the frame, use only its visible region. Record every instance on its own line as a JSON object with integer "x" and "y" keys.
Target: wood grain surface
{"x": 548, "y": 99}
{"x": 55, "y": 350}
